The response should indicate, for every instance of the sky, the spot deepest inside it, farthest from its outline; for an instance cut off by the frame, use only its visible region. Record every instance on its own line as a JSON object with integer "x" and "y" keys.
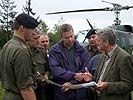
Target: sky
{"x": 99, "y": 19}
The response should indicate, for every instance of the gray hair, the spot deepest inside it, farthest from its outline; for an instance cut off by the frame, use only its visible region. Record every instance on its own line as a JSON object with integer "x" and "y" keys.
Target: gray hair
{"x": 107, "y": 34}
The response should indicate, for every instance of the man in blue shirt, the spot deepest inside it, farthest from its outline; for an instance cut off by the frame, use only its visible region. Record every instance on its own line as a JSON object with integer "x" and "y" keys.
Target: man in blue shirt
{"x": 67, "y": 60}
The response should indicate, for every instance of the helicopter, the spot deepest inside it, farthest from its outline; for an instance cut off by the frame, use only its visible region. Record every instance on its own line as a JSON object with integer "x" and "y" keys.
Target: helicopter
{"x": 124, "y": 32}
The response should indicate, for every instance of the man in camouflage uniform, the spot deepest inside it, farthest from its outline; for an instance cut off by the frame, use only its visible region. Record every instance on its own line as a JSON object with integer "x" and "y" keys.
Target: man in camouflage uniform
{"x": 44, "y": 42}
{"x": 40, "y": 63}
{"x": 92, "y": 50}
{"x": 15, "y": 61}
{"x": 95, "y": 56}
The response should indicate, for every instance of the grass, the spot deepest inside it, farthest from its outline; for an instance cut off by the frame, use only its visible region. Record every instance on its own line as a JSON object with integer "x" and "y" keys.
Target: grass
{"x": 132, "y": 95}
{"x": 1, "y": 92}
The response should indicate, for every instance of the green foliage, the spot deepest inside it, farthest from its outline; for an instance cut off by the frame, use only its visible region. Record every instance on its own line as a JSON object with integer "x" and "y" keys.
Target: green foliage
{"x": 75, "y": 36}
{"x": 54, "y": 35}
{"x": 52, "y": 38}
{"x": 42, "y": 26}
{"x": 1, "y": 92}
{"x": 7, "y": 16}
{"x": 132, "y": 95}
{"x": 2, "y": 41}
{"x": 3, "y": 37}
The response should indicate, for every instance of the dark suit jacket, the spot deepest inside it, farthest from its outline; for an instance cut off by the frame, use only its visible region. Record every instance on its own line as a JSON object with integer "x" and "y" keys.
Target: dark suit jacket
{"x": 118, "y": 74}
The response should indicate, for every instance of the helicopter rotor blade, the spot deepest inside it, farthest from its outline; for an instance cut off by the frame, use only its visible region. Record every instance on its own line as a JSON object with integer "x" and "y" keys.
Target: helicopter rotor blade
{"x": 114, "y": 4}
{"x": 89, "y": 23}
{"x": 84, "y": 10}
{"x": 126, "y": 7}
{"x": 99, "y": 9}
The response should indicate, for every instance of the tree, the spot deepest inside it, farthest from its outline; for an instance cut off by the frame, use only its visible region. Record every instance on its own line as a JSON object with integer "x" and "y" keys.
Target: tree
{"x": 7, "y": 16}
{"x": 27, "y": 8}
{"x": 42, "y": 26}
{"x": 54, "y": 35}
{"x": 3, "y": 39}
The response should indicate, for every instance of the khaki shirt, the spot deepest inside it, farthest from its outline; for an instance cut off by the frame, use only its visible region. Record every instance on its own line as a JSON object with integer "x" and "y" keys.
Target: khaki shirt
{"x": 40, "y": 60}
{"x": 16, "y": 68}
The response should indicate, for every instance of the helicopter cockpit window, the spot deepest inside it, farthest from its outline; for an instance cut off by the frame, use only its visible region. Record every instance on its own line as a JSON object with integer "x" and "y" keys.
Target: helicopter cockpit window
{"x": 128, "y": 28}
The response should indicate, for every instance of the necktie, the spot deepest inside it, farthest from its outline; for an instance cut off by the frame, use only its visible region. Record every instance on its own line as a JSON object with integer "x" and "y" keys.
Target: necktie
{"x": 107, "y": 56}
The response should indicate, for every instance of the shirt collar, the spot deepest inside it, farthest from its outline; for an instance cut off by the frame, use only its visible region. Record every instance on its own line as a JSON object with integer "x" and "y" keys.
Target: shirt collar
{"x": 109, "y": 54}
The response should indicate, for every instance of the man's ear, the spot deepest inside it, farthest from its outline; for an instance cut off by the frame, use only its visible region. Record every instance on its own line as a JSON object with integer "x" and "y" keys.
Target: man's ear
{"x": 21, "y": 28}
{"x": 107, "y": 43}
